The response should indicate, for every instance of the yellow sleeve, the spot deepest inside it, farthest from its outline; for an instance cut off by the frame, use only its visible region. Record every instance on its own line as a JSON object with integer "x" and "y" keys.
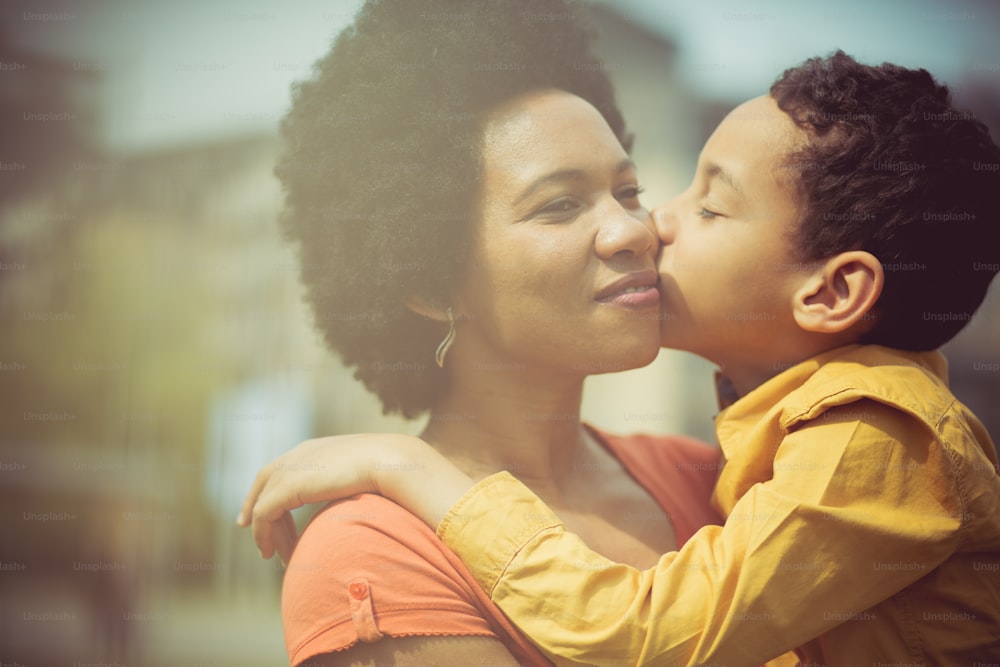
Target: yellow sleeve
{"x": 849, "y": 518}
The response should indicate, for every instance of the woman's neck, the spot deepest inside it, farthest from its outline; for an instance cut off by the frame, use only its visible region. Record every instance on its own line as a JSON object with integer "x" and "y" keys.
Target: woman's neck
{"x": 510, "y": 420}
{"x": 530, "y": 427}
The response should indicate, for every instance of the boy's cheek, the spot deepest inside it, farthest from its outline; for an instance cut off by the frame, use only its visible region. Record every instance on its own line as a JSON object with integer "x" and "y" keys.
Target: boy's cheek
{"x": 663, "y": 269}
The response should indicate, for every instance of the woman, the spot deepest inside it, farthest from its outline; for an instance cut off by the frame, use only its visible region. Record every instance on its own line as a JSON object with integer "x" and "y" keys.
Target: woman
{"x": 471, "y": 239}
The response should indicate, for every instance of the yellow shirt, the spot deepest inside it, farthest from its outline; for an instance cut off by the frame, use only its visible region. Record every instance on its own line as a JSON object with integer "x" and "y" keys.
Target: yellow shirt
{"x": 863, "y": 528}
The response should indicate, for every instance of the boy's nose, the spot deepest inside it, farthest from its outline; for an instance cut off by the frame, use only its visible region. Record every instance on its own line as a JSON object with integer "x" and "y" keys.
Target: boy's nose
{"x": 665, "y": 222}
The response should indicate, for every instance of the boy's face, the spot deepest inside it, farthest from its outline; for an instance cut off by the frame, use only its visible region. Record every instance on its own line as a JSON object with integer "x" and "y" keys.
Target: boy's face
{"x": 728, "y": 266}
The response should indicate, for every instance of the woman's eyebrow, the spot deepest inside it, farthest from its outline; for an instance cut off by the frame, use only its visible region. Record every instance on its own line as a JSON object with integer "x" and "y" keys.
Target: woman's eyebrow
{"x": 561, "y": 175}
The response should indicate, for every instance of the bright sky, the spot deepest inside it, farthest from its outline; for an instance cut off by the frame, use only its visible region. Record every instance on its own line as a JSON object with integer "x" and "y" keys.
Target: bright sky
{"x": 186, "y": 70}
{"x": 733, "y": 49}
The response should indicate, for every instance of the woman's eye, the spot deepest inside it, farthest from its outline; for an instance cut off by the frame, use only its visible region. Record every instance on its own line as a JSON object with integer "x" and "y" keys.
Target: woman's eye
{"x": 631, "y": 192}
{"x": 705, "y": 214}
{"x": 558, "y": 207}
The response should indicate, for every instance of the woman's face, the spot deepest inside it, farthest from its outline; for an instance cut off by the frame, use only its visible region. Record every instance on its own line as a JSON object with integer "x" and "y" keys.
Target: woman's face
{"x": 561, "y": 273}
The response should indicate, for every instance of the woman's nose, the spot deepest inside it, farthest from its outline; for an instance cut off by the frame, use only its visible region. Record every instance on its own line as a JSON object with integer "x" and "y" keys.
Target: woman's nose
{"x": 626, "y": 230}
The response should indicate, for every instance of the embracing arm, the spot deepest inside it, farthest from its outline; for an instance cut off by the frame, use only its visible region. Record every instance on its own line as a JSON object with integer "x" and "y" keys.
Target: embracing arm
{"x": 826, "y": 537}
{"x": 400, "y": 467}
{"x": 835, "y": 531}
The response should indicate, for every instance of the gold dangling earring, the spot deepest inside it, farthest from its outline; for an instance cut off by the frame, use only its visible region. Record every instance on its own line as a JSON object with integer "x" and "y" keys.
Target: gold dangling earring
{"x": 446, "y": 343}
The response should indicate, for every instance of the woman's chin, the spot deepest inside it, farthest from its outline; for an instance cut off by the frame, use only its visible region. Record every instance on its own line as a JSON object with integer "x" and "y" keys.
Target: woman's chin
{"x": 628, "y": 355}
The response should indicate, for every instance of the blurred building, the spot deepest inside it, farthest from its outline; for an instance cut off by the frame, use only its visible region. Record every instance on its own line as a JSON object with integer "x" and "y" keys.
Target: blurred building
{"x": 50, "y": 112}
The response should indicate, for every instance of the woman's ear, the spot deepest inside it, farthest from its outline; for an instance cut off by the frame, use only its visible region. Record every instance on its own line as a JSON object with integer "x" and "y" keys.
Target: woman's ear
{"x": 840, "y": 293}
{"x": 423, "y": 307}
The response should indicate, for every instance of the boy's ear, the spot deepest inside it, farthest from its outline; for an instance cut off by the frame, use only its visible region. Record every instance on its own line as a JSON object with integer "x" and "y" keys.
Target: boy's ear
{"x": 424, "y": 308}
{"x": 839, "y": 293}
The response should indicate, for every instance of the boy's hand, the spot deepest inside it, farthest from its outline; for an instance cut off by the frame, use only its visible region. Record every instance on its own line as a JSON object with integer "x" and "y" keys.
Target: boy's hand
{"x": 403, "y": 468}
{"x": 317, "y": 470}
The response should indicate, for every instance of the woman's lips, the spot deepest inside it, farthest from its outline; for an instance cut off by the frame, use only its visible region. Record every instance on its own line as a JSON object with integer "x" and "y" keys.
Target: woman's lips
{"x": 638, "y": 298}
{"x": 636, "y": 291}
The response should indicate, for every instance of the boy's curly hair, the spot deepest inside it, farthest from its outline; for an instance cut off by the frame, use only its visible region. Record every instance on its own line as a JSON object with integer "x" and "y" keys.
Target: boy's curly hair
{"x": 894, "y": 169}
{"x": 381, "y": 165}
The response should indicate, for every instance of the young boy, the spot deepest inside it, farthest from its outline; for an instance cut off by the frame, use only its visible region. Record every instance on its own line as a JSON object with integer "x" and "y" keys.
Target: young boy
{"x": 837, "y": 231}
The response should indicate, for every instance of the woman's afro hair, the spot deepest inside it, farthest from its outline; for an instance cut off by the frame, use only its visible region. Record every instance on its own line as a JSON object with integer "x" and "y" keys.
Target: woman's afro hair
{"x": 381, "y": 164}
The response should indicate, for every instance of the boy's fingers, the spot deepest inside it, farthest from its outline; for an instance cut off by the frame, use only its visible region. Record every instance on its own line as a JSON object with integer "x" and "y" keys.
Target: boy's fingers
{"x": 271, "y": 518}
{"x": 285, "y": 537}
{"x": 246, "y": 514}
{"x": 263, "y": 530}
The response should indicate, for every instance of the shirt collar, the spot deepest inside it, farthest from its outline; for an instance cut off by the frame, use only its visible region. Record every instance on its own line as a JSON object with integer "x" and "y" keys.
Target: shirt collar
{"x": 838, "y": 375}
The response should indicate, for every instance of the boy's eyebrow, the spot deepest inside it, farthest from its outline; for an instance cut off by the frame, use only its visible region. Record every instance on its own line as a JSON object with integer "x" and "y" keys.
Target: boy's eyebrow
{"x": 567, "y": 175}
{"x": 717, "y": 171}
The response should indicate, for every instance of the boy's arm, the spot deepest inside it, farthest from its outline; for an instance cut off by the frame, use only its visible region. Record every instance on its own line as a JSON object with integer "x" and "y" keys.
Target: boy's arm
{"x": 849, "y": 518}
{"x": 401, "y": 467}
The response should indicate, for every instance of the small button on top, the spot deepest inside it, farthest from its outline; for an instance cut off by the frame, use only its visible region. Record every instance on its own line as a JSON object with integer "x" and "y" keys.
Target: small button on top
{"x": 358, "y": 590}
